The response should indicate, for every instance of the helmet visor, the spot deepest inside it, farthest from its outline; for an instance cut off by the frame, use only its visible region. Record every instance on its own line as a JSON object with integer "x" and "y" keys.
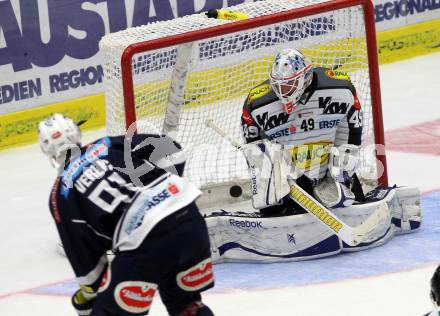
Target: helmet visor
{"x": 285, "y": 87}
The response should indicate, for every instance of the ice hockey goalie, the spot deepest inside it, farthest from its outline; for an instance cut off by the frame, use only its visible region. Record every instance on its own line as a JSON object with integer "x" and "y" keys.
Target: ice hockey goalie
{"x": 303, "y": 127}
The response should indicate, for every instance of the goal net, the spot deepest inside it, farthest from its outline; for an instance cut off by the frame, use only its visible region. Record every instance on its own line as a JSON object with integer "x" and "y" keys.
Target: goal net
{"x": 172, "y": 76}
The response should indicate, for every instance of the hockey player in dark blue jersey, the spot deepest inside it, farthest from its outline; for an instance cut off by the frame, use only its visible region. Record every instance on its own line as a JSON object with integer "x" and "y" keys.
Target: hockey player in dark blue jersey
{"x": 127, "y": 221}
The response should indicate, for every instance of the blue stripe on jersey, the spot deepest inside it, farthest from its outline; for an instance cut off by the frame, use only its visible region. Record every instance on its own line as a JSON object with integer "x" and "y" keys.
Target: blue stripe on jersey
{"x": 76, "y": 167}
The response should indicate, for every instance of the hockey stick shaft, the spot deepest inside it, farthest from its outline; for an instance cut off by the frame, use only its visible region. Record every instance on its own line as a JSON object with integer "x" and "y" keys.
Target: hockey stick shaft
{"x": 351, "y": 235}
{"x": 210, "y": 123}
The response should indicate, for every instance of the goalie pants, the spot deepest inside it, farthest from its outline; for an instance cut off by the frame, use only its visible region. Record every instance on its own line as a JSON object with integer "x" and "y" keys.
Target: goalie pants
{"x": 174, "y": 258}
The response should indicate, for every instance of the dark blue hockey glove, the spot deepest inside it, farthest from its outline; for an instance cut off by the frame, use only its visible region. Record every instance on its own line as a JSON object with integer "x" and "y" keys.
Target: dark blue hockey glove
{"x": 82, "y": 305}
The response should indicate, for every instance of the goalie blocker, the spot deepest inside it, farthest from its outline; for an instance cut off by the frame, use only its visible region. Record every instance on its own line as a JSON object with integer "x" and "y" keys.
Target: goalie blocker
{"x": 248, "y": 237}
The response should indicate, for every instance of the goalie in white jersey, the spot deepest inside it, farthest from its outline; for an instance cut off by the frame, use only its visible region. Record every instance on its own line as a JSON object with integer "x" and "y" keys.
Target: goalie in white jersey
{"x": 303, "y": 131}
{"x": 311, "y": 110}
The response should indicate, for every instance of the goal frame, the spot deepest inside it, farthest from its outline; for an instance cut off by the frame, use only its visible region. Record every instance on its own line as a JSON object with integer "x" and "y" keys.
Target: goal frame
{"x": 373, "y": 65}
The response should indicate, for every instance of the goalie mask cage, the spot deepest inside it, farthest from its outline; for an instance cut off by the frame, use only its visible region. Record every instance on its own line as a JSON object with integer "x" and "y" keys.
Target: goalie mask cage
{"x": 171, "y": 76}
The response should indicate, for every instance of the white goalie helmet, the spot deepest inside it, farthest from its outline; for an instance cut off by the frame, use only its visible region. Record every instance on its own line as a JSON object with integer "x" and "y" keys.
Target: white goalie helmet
{"x": 291, "y": 74}
{"x": 56, "y": 135}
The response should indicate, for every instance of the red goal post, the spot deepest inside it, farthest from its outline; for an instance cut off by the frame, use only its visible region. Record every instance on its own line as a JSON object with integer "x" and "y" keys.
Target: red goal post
{"x": 174, "y": 39}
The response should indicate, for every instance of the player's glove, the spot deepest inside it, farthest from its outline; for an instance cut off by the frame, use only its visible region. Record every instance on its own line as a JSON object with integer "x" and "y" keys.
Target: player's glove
{"x": 83, "y": 303}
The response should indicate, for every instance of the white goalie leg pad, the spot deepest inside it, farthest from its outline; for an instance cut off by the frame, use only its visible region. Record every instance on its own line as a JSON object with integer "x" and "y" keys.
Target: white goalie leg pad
{"x": 406, "y": 211}
{"x": 247, "y": 237}
{"x": 356, "y": 214}
{"x": 404, "y": 208}
{"x": 268, "y": 170}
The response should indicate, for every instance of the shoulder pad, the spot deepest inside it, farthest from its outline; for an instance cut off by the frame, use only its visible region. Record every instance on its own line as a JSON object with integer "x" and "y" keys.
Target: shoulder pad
{"x": 337, "y": 74}
{"x": 261, "y": 94}
{"x": 333, "y": 79}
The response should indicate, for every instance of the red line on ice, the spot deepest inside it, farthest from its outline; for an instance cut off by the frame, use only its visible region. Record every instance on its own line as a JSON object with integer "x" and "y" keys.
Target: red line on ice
{"x": 421, "y": 138}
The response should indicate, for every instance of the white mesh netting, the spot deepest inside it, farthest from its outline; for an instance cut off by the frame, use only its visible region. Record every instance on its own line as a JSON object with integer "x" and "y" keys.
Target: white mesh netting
{"x": 213, "y": 76}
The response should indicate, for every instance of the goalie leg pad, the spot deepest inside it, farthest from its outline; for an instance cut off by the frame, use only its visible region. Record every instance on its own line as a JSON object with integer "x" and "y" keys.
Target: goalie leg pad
{"x": 248, "y": 237}
{"x": 356, "y": 214}
{"x": 405, "y": 210}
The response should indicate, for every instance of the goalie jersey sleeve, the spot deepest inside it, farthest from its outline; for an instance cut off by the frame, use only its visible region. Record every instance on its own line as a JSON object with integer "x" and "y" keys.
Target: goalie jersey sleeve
{"x": 349, "y": 130}
{"x": 259, "y": 98}
{"x": 90, "y": 196}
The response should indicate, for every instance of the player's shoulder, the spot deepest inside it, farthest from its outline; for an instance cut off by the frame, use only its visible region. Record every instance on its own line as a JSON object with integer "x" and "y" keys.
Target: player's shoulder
{"x": 145, "y": 141}
{"x": 134, "y": 137}
{"x": 260, "y": 95}
{"x": 100, "y": 142}
{"x": 325, "y": 78}
{"x": 133, "y": 140}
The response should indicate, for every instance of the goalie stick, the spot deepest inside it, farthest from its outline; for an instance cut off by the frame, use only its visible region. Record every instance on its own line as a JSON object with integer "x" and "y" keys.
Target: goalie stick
{"x": 351, "y": 235}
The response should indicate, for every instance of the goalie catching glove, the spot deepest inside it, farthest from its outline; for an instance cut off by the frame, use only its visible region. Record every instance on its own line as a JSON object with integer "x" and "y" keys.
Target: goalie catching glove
{"x": 333, "y": 194}
{"x": 335, "y": 189}
{"x": 268, "y": 165}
